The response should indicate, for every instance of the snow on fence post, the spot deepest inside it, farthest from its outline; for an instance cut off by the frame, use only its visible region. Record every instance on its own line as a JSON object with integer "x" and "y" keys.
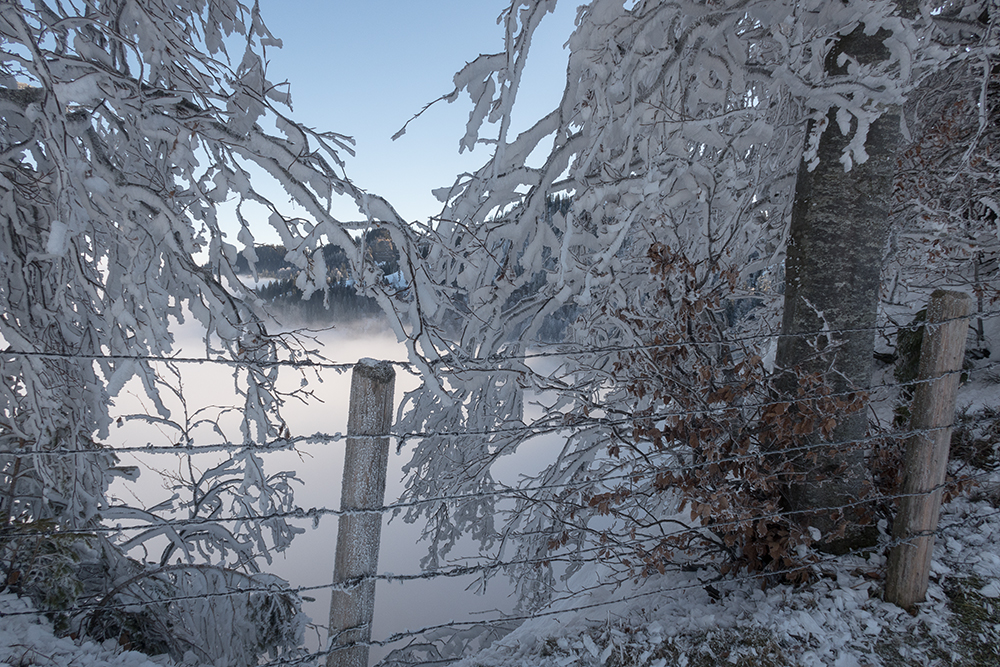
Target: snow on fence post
{"x": 368, "y": 422}
{"x": 925, "y": 466}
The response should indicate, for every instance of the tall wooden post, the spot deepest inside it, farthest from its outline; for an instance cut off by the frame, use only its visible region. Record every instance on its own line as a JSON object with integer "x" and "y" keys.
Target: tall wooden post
{"x": 368, "y": 423}
{"x": 926, "y": 461}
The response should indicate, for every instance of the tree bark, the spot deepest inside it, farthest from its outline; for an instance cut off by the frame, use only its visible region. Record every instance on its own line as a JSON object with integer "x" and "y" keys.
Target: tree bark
{"x": 839, "y": 230}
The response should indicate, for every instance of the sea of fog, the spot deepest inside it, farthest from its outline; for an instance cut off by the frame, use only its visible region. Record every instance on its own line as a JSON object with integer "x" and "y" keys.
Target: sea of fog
{"x": 309, "y": 561}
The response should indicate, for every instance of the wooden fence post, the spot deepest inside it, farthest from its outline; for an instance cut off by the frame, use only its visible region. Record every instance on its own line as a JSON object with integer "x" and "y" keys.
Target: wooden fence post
{"x": 368, "y": 422}
{"x": 926, "y": 462}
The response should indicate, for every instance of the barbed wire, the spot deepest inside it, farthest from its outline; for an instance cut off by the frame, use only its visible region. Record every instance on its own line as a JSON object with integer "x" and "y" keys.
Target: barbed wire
{"x": 738, "y": 579}
{"x": 502, "y": 493}
{"x": 505, "y": 492}
{"x": 577, "y": 556}
{"x": 276, "y": 363}
{"x": 741, "y": 338}
{"x": 495, "y": 565}
{"x": 698, "y": 582}
{"x": 588, "y": 421}
{"x": 491, "y": 359}
{"x": 579, "y": 422}
{"x": 277, "y": 445}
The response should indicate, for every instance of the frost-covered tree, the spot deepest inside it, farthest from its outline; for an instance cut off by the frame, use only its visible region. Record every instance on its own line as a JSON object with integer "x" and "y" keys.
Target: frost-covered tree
{"x": 947, "y": 190}
{"x": 842, "y": 221}
{"x": 129, "y": 130}
{"x": 838, "y": 233}
{"x": 678, "y": 138}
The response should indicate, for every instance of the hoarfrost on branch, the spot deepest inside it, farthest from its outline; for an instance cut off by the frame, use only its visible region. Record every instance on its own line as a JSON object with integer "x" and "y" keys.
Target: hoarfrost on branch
{"x": 681, "y": 124}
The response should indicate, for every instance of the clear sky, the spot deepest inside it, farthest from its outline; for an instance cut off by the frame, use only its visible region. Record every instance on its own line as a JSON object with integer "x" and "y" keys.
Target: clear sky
{"x": 363, "y": 68}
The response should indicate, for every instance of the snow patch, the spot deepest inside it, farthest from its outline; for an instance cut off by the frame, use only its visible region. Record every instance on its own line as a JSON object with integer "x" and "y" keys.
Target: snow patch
{"x": 57, "y": 241}
{"x": 28, "y": 639}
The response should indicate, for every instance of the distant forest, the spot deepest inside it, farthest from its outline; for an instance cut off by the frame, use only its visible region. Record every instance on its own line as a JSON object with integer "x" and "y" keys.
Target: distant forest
{"x": 341, "y": 302}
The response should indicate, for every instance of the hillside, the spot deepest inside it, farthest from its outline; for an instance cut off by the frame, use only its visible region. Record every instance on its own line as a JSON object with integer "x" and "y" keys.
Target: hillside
{"x": 271, "y": 258}
{"x": 340, "y": 302}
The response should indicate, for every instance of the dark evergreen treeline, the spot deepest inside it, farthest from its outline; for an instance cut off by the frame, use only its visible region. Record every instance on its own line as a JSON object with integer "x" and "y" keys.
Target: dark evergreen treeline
{"x": 271, "y": 258}
{"x": 341, "y": 301}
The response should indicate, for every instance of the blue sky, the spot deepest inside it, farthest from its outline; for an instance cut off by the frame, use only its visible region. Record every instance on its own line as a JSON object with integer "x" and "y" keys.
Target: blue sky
{"x": 364, "y": 68}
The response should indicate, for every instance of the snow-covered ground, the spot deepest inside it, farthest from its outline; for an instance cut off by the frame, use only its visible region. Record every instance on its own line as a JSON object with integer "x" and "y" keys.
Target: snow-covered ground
{"x": 839, "y": 620}
{"x": 27, "y": 639}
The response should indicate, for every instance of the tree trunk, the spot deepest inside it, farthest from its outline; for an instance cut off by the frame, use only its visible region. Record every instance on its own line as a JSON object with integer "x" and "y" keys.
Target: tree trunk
{"x": 839, "y": 230}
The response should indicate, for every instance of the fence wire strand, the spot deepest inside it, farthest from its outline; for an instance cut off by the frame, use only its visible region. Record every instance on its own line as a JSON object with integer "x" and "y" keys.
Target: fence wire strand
{"x": 495, "y": 565}
{"x": 502, "y": 492}
{"x": 490, "y": 360}
{"x": 578, "y": 423}
{"x": 396, "y": 637}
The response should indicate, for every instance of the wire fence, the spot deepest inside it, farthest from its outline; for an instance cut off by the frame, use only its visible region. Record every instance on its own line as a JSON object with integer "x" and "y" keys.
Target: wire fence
{"x": 503, "y": 492}
{"x": 530, "y": 429}
{"x": 490, "y": 564}
{"x": 559, "y": 349}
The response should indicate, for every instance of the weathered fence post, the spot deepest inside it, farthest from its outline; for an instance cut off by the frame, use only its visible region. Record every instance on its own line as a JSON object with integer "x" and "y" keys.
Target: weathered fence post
{"x": 926, "y": 462}
{"x": 368, "y": 422}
